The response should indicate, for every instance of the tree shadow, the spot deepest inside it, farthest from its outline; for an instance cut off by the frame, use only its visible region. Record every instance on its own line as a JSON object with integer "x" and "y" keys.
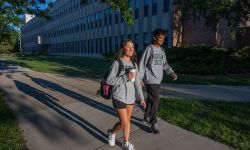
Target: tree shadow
{"x": 49, "y": 101}
{"x": 95, "y": 104}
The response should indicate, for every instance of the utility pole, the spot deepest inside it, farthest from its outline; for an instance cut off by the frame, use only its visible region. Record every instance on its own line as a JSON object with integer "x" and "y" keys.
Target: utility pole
{"x": 20, "y": 42}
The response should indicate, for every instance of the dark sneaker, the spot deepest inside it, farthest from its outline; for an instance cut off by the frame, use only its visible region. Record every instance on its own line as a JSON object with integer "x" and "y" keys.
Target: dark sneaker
{"x": 155, "y": 128}
{"x": 146, "y": 120}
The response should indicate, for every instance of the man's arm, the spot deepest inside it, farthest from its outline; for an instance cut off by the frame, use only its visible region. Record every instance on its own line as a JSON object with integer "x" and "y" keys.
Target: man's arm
{"x": 143, "y": 62}
{"x": 167, "y": 68}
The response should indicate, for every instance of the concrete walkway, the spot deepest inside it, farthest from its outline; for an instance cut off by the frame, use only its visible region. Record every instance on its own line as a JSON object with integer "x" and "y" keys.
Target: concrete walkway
{"x": 207, "y": 92}
{"x": 57, "y": 112}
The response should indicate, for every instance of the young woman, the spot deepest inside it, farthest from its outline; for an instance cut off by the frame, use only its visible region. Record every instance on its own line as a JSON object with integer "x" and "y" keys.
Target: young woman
{"x": 125, "y": 91}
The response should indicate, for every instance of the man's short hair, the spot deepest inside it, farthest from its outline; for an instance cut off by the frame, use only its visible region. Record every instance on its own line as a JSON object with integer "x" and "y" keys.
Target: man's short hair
{"x": 159, "y": 31}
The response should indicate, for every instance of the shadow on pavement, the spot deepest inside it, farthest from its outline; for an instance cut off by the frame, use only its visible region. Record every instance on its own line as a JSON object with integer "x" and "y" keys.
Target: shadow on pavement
{"x": 95, "y": 104}
{"x": 49, "y": 101}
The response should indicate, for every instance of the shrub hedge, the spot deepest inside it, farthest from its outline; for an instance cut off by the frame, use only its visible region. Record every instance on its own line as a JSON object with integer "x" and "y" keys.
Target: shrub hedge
{"x": 209, "y": 60}
{"x": 205, "y": 60}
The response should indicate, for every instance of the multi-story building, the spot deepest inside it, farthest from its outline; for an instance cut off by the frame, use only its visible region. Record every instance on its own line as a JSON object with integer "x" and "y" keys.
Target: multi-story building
{"x": 95, "y": 28}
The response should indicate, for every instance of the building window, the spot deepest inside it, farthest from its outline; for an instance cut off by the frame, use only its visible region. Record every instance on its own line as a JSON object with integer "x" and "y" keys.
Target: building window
{"x": 106, "y": 44}
{"x": 96, "y": 19}
{"x": 136, "y": 41}
{"x": 116, "y": 16}
{"x": 130, "y": 36}
{"x": 96, "y": 46}
{"x": 78, "y": 28}
{"x": 88, "y": 22}
{"x": 145, "y": 40}
{"x": 92, "y": 46}
{"x": 85, "y": 46}
{"x": 154, "y": 7}
{"x": 130, "y": 3}
{"x": 100, "y": 19}
{"x": 110, "y": 44}
{"x": 122, "y": 20}
{"x": 110, "y": 16}
{"x": 116, "y": 44}
{"x": 84, "y": 23}
{"x": 121, "y": 39}
{"x": 92, "y": 21}
{"x": 137, "y": 7}
{"x": 165, "y": 5}
{"x": 146, "y": 4}
{"x": 82, "y": 47}
{"x": 89, "y": 46}
{"x": 106, "y": 13}
{"x": 100, "y": 45}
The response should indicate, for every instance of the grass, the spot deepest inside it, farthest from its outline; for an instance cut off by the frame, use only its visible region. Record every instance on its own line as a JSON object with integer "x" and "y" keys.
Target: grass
{"x": 10, "y": 134}
{"x": 225, "y": 122}
{"x": 95, "y": 68}
{"x": 87, "y": 67}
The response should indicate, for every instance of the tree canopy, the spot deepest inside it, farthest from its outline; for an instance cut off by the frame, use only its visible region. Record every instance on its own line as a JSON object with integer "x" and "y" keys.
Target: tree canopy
{"x": 11, "y": 12}
{"x": 235, "y": 12}
{"x": 120, "y": 5}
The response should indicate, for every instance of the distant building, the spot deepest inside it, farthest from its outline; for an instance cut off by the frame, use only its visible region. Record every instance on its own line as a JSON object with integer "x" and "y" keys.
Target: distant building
{"x": 95, "y": 29}
{"x": 28, "y": 17}
{"x": 190, "y": 33}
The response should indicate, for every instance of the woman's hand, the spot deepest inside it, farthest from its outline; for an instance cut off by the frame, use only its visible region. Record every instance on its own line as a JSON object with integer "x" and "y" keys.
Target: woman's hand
{"x": 143, "y": 104}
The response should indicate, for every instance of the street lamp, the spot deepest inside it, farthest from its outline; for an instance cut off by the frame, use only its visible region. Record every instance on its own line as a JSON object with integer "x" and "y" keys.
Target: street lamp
{"x": 20, "y": 42}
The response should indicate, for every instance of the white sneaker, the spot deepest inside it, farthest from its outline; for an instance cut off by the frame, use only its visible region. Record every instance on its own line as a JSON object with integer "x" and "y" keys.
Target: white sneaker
{"x": 128, "y": 146}
{"x": 111, "y": 138}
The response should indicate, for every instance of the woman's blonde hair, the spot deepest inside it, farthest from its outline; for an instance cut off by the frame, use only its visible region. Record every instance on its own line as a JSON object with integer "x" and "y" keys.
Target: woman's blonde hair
{"x": 121, "y": 53}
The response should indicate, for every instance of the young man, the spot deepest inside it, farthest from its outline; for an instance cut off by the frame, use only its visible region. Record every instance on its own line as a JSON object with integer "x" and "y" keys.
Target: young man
{"x": 151, "y": 66}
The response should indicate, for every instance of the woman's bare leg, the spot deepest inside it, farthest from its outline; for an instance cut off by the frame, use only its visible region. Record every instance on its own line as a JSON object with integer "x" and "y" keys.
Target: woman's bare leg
{"x": 126, "y": 130}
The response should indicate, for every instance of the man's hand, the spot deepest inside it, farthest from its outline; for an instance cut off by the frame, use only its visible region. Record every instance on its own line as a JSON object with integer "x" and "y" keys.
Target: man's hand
{"x": 173, "y": 76}
{"x": 142, "y": 84}
{"x": 143, "y": 104}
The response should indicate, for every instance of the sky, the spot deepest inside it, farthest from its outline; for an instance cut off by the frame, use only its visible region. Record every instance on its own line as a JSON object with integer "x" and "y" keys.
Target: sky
{"x": 41, "y": 6}
{"x": 46, "y": 5}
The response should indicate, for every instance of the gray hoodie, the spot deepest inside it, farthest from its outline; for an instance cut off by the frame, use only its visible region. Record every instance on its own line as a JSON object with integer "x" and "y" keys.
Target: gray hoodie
{"x": 152, "y": 64}
{"x": 123, "y": 89}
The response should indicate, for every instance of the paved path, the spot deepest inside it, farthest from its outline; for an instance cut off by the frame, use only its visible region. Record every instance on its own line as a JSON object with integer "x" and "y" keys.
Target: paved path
{"x": 7, "y": 67}
{"x": 207, "y": 92}
{"x": 63, "y": 113}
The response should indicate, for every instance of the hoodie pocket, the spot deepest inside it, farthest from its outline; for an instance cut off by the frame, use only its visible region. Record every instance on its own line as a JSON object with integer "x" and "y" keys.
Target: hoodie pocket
{"x": 118, "y": 91}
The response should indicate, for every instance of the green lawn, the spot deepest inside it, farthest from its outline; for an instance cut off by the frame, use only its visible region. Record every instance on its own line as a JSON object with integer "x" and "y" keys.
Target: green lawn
{"x": 88, "y": 67}
{"x": 226, "y": 122}
{"x": 95, "y": 68}
{"x": 10, "y": 134}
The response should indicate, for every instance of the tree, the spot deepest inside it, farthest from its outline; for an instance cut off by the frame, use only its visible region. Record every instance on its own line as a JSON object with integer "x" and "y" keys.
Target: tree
{"x": 234, "y": 12}
{"x": 120, "y": 5}
{"x": 11, "y": 12}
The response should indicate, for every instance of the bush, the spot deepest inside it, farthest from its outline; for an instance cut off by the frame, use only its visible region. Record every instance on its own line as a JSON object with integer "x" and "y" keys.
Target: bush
{"x": 109, "y": 56}
{"x": 209, "y": 60}
{"x": 4, "y": 51}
